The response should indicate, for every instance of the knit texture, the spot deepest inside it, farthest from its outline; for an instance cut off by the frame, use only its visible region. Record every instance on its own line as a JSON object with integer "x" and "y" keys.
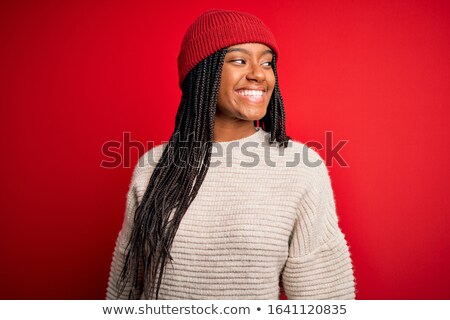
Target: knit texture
{"x": 217, "y": 29}
{"x": 260, "y": 214}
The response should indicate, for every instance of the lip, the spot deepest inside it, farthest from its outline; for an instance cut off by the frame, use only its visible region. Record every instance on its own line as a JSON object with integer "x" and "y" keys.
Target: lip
{"x": 252, "y": 88}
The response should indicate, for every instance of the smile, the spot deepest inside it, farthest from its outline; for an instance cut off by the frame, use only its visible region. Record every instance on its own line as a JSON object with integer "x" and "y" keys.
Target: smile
{"x": 252, "y": 95}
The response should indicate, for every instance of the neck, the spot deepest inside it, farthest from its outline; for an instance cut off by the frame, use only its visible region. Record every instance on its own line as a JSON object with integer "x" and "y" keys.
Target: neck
{"x": 228, "y": 131}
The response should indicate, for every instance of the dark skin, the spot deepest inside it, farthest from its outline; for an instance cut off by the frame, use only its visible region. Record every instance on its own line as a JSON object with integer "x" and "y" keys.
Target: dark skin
{"x": 246, "y": 86}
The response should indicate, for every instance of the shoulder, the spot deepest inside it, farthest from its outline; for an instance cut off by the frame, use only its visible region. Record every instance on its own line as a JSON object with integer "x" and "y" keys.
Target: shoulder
{"x": 149, "y": 160}
{"x": 306, "y": 164}
{"x": 144, "y": 168}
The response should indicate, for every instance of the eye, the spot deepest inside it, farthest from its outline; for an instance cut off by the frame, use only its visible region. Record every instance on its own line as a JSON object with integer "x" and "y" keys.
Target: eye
{"x": 243, "y": 62}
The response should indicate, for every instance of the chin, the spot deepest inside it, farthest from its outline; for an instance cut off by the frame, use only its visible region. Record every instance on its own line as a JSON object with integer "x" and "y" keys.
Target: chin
{"x": 256, "y": 116}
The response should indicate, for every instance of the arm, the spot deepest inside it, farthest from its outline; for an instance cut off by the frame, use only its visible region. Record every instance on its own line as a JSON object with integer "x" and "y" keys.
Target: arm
{"x": 118, "y": 260}
{"x": 319, "y": 264}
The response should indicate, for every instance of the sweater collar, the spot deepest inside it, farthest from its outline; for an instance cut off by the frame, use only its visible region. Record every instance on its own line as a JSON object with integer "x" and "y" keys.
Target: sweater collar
{"x": 224, "y": 153}
{"x": 258, "y": 136}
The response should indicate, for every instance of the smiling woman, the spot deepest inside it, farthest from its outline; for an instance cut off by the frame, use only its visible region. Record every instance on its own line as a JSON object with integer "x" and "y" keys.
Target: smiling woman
{"x": 246, "y": 87}
{"x": 232, "y": 230}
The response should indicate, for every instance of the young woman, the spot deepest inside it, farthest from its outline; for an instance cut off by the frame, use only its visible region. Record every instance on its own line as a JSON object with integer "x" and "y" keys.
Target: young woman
{"x": 230, "y": 207}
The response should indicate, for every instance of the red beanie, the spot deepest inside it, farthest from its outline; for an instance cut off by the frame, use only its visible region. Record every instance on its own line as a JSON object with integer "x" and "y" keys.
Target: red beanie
{"x": 217, "y": 29}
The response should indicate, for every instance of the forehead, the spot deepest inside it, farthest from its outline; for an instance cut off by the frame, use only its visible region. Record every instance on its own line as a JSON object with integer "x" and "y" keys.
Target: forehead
{"x": 250, "y": 48}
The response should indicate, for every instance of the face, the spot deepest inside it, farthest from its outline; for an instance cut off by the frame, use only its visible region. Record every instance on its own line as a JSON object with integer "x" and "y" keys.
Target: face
{"x": 247, "y": 82}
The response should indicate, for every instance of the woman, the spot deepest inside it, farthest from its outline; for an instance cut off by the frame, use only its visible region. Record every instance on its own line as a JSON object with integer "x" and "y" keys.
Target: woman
{"x": 230, "y": 207}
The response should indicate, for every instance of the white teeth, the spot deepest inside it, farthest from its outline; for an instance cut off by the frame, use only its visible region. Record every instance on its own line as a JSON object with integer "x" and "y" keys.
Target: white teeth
{"x": 258, "y": 93}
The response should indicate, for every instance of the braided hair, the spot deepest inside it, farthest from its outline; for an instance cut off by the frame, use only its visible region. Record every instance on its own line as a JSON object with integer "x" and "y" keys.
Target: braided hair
{"x": 179, "y": 174}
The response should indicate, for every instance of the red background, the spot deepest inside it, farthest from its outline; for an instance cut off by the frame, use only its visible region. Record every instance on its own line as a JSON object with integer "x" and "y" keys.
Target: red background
{"x": 77, "y": 74}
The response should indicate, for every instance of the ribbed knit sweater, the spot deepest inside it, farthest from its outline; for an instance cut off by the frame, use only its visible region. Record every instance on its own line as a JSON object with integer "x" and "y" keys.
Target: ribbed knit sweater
{"x": 260, "y": 214}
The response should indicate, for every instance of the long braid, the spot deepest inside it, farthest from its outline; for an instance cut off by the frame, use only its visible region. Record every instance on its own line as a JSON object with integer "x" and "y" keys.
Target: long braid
{"x": 179, "y": 174}
{"x": 274, "y": 119}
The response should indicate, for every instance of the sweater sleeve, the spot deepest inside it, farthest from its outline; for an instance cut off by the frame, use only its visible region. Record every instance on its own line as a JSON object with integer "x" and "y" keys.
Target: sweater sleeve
{"x": 118, "y": 259}
{"x": 319, "y": 264}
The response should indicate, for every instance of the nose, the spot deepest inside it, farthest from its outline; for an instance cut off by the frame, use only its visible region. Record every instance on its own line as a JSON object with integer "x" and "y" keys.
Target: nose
{"x": 255, "y": 72}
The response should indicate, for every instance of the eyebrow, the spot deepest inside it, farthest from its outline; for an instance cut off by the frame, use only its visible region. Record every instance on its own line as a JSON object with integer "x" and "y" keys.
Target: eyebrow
{"x": 248, "y": 52}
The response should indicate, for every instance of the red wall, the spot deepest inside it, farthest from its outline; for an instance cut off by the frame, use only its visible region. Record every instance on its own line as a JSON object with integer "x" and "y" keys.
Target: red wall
{"x": 77, "y": 75}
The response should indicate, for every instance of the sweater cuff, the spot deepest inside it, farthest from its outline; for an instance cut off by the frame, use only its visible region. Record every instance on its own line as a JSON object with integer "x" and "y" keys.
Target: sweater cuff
{"x": 325, "y": 273}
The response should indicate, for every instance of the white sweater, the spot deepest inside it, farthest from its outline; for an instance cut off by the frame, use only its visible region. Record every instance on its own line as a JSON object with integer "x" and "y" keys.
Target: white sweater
{"x": 259, "y": 215}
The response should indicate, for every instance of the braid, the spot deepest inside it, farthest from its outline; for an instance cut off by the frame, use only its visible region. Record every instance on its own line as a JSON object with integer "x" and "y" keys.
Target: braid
{"x": 274, "y": 119}
{"x": 179, "y": 174}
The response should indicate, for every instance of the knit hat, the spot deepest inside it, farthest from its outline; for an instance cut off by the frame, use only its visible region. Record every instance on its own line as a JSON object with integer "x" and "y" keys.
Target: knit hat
{"x": 217, "y": 29}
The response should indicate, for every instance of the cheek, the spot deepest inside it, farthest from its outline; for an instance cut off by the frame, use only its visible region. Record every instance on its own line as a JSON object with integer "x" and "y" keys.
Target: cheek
{"x": 272, "y": 87}
{"x": 226, "y": 93}
{"x": 225, "y": 102}
{"x": 271, "y": 79}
